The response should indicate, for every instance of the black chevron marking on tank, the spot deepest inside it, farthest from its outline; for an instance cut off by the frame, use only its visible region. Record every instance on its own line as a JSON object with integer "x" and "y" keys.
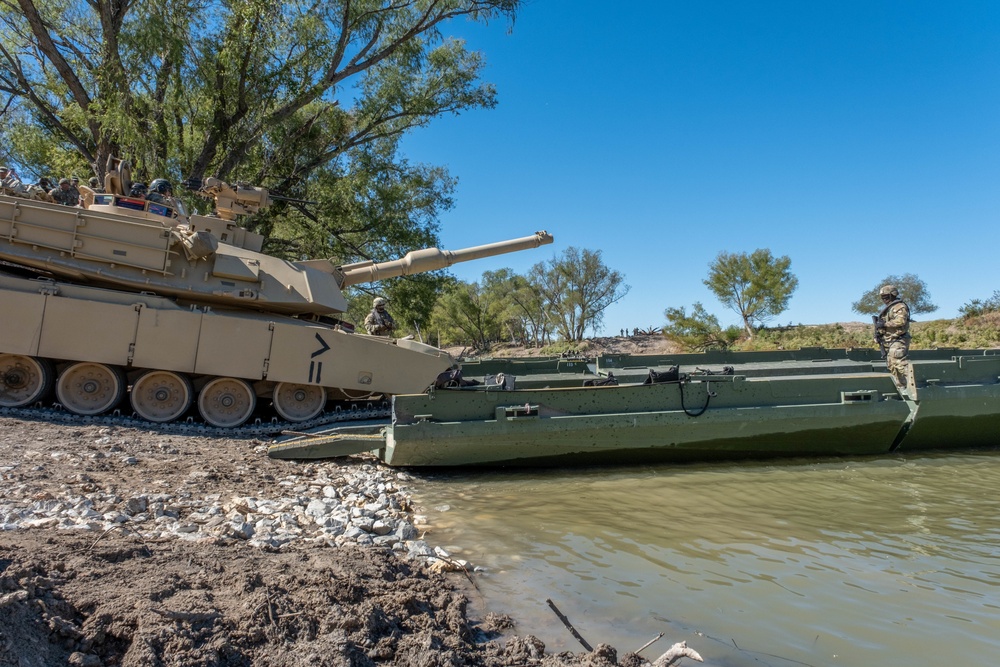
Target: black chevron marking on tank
{"x": 321, "y": 350}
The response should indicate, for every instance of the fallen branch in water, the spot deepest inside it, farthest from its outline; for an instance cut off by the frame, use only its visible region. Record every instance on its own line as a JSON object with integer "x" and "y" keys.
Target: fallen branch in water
{"x": 569, "y": 626}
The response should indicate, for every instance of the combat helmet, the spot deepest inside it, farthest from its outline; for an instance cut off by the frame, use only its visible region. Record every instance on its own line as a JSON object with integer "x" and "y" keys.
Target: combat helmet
{"x": 888, "y": 290}
{"x": 379, "y": 301}
{"x": 138, "y": 190}
{"x": 162, "y": 186}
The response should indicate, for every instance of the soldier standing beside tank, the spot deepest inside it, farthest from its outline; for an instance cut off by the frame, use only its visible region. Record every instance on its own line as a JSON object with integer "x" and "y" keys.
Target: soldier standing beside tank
{"x": 379, "y": 322}
{"x": 892, "y": 329}
{"x": 65, "y": 194}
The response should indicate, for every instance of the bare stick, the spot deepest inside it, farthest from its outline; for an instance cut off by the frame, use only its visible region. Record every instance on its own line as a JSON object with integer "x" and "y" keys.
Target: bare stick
{"x": 649, "y": 643}
{"x": 569, "y": 626}
{"x": 124, "y": 528}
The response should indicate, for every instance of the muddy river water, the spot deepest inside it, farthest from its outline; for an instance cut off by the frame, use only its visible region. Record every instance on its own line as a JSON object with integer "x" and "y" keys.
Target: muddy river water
{"x": 854, "y": 562}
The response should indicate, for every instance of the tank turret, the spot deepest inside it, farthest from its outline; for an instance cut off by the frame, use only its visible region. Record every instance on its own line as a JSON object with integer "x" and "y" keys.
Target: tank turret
{"x": 183, "y": 309}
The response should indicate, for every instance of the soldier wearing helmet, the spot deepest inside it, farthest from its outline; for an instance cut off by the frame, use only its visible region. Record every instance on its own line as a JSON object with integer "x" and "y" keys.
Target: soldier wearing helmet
{"x": 893, "y": 326}
{"x": 379, "y": 322}
{"x": 161, "y": 191}
{"x": 65, "y": 193}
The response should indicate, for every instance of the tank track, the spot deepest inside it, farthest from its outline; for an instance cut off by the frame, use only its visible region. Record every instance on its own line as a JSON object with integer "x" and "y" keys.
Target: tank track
{"x": 257, "y": 428}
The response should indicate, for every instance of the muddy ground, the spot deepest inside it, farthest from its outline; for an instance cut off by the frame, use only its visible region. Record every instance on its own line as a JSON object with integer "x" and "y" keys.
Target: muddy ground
{"x": 113, "y": 597}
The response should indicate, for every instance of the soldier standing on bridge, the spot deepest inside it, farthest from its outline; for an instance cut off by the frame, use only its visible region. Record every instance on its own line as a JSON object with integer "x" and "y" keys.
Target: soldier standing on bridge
{"x": 893, "y": 327}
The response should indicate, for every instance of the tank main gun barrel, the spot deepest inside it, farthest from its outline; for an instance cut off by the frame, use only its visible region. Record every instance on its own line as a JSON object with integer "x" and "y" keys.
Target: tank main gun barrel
{"x": 432, "y": 259}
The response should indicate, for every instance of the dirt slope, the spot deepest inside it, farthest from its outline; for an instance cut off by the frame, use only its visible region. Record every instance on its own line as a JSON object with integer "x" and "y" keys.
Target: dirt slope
{"x": 99, "y": 597}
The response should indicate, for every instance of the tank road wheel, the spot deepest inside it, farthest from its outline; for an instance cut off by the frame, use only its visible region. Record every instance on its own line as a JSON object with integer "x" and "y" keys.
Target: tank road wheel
{"x": 23, "y": 380}
{"x": 298, "y": 402}
{"x": 89, "y": 389}
{"x": 226, "y": 402}
{"x": 161, "y": 396}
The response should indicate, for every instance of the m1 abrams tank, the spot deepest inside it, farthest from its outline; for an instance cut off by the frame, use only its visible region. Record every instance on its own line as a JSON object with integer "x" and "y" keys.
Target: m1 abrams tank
{"x": 135, "y": 297}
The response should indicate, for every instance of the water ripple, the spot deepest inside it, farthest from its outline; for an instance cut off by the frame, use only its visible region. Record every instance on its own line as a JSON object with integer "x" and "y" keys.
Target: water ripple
{"x": 847, "y": 562}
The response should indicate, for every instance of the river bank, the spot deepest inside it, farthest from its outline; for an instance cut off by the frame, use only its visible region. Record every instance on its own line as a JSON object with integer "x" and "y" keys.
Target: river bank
{"x": 128, "y": 547}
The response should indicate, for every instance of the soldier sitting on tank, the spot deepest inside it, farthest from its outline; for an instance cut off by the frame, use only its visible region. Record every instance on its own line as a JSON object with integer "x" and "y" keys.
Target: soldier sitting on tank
{"x": 161, "y": 192}
{"x": 7, "y": 178}
{"x": 379, "y": 322}
{"x": 65, "y": 194}
{"x": 95, "y": 185}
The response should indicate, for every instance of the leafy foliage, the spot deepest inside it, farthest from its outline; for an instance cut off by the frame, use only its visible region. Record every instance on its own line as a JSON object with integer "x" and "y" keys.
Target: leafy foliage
{"x": 912, "y": 290}
{"x": 470, "y": 312}
{"x": 562, "y": 298}
{"x": 577, "y": 288}
{"x": 972, "y": 333}
{"x": 757, "y": 286}
{"x": 698, "y": 331}
{"x": 980, "y": 307}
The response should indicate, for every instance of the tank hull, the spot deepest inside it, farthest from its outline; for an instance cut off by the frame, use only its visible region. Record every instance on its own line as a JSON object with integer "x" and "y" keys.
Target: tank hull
{"x": 68, "y": 322}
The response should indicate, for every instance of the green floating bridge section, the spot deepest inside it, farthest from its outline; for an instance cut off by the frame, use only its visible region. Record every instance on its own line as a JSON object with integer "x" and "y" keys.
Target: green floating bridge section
{"x": 802, "y": 403}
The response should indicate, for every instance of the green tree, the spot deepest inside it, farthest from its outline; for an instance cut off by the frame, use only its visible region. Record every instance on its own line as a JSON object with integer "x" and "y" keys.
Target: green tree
{"x": 530, "y": 308}
{"x": 698, "y": 331}
{"x": 267, "y": 91}
{"x": 758, "y": 286}
{"x": 469, "y": 313}
{"x": 912, "y": 290}
{"x": 577, "y": 288}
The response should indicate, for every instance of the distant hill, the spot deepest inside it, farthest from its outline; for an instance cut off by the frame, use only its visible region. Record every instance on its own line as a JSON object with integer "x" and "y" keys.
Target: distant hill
{"x": 971, "y": 333}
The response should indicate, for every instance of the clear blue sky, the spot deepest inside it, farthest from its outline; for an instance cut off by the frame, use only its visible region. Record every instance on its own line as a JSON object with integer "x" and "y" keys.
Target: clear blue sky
{"x": 860, "y": 138}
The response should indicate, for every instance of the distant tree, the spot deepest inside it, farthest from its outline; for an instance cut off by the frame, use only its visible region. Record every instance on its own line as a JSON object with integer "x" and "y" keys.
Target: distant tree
{"x": 758, "y": 286}
{"x": 469, "y": 313}
{"x": 698, "y": 331}
{"x": 578, "y": 287}
{"x": 520, "y": 308}
{"x": 912, "y": 290}
{"x": 980, "y": 307}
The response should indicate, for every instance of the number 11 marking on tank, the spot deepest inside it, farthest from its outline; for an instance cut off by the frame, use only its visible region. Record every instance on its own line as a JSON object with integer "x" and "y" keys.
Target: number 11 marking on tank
{"x": 317, "y": 366}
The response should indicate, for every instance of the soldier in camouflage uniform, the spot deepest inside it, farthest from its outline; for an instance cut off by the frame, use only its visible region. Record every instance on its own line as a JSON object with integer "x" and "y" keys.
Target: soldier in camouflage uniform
{"x": 65, "y": 194}
{"x": 893, "y": 326}
{"x": 379, "y": 322}
{"x": 7, "y": 178}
